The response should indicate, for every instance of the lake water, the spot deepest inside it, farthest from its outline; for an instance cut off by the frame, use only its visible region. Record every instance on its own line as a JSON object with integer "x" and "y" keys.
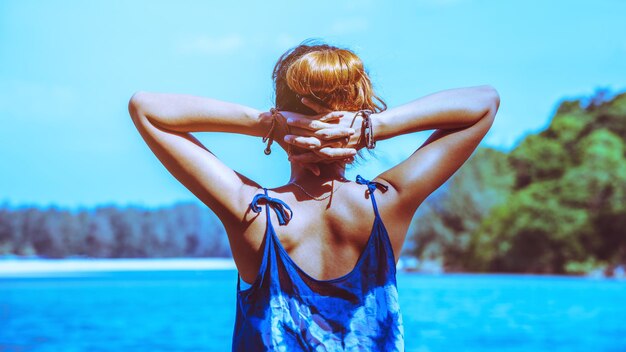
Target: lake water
{"x": 194, "y": 311}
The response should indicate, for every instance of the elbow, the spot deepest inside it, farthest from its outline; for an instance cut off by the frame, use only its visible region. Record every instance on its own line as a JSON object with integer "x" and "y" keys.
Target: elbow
{"x": 135, "y": 104}
{"x": 490, "y": 99}
{"x": 493, "y": 98}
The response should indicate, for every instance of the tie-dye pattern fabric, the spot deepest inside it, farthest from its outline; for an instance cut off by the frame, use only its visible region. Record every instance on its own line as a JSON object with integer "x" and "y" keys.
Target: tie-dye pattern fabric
{"x": 285, "y": 309}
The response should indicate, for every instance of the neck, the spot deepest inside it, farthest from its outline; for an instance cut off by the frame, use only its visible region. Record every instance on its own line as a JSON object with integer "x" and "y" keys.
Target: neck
{"x": 328, "y": 172}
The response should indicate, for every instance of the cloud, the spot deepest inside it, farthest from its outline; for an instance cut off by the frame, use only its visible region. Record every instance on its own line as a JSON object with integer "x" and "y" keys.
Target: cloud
{"x": 358, "y": 5}
{"x": 284, "y": 41}
{"x": 349, "y": 25}
{"x": 21, "y": 98}
{"x": 440, "y": 3}
{"x": 204, "y": 45}
{"x": 503, "y": 137}
{"x": 210, "y": 46}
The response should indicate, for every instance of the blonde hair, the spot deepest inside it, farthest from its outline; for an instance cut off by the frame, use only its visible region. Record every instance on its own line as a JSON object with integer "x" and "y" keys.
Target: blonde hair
{"x": 329, "y": 75}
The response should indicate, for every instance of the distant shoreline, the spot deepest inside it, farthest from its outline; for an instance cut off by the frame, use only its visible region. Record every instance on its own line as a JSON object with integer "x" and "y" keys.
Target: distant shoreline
{"x": 18, "y": 267}
{"x": 27, "y": 267}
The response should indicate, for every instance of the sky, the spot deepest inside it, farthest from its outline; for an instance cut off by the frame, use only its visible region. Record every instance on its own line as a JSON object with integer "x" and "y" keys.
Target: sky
{"x": 68, "y": 69}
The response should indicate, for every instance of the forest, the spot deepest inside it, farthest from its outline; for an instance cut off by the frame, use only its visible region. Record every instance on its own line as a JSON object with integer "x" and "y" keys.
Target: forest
{"x": 181, "y": 230}
{"x": 555, "y": 203}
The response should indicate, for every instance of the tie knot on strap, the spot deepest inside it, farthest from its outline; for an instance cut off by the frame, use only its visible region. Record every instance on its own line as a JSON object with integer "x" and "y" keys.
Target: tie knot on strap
{"x": 283, "y": 212}
{"x": 371, "y": 185}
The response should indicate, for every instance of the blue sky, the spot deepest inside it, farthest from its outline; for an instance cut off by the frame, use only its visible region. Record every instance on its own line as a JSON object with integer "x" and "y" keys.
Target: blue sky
{"x": 68, "y": 68}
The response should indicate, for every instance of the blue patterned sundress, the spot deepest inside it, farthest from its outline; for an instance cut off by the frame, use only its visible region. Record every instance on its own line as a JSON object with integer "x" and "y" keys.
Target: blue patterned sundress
{"x": 285, "y": 309}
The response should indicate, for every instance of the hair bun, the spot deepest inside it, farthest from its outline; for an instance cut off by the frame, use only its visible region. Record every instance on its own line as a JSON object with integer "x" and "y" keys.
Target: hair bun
{"x": 333, "y": 76}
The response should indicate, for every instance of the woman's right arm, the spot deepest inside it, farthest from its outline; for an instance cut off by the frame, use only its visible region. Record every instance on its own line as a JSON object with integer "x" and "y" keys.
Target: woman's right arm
{"x": 461, "y": 118}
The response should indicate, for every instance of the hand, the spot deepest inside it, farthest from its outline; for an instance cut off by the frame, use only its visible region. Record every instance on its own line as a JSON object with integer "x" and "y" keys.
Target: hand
{"x": 330, "y": 135}
{"x": 325, "y": 142}
{"x": 319, "y": 133}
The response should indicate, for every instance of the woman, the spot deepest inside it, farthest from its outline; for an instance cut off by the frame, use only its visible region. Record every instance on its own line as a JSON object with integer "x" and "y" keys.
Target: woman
{"x": 318, "y": 271}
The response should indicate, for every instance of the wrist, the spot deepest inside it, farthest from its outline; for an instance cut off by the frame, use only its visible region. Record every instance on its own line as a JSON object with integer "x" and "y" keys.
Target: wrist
{"x": 379, "y": 126}
{"x": 263, "y": 123}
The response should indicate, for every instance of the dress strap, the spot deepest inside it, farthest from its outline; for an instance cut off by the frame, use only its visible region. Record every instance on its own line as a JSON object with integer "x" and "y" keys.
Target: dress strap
{"x": 371, "y": 187}
{"x": 280, "y": 207}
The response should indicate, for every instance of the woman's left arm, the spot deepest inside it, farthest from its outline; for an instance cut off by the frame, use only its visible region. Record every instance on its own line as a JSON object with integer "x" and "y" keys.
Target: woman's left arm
{"x": 165, "y": 121}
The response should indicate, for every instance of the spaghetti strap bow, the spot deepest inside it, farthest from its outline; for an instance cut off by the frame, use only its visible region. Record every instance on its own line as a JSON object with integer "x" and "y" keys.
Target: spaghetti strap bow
{"x": 371, "y": 185}
{"x": 278, "y": 205}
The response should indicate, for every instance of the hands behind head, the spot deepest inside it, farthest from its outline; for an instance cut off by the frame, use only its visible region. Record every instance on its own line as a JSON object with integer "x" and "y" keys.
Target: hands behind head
{"x": 329, "y": 136}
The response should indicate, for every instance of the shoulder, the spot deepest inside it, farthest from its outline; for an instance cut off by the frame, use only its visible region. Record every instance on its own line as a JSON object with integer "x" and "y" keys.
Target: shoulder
{"x": 384, "y": 193}
{"x": 242, "y": 214}
{"x": 395, "y": 216}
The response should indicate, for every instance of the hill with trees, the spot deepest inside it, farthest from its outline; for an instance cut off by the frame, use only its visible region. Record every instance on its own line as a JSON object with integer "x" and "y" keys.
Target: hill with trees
{"x": 555, "y": 204}
{"x": 181, "y": 230}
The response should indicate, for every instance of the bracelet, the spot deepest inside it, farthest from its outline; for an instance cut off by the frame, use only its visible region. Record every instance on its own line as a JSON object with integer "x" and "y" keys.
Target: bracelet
{"x": 269, "y": 137}
{"x": 367, "y": 128}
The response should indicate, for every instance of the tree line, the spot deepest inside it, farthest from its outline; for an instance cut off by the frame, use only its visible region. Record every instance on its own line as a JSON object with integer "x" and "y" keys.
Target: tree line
{"x": 181, "y": 230}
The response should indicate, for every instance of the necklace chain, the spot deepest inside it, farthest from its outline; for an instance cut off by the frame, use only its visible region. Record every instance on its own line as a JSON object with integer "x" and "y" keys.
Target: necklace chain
{"x": 317, "y": 198}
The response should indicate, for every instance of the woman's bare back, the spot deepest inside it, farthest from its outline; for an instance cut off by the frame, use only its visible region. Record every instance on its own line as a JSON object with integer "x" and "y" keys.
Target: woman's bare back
{"x": 324, "y": 238}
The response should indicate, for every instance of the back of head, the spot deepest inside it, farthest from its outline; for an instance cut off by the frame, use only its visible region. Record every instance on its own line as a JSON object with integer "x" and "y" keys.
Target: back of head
{"x": 329, "y": 75}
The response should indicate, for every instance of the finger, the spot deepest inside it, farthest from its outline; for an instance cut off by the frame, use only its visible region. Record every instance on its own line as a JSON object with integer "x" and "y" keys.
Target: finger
{"x": 315, "y": 106}
{"x": 336, "y": 153}
{"x": 307, "y": 124}
{"x": 303, "y": 142}
{"x": 308, "y": 157}
{"x": 313, "y": 167}
{"x": 335, "y": 132}
{"x": 338, "y": 144}
{"x": 333, "y": 116}
{"x": 301, "y": 132}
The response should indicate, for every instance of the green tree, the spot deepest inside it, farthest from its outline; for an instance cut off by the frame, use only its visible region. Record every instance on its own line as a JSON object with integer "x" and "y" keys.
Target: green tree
{"x": 443, "y": 225}
{"x": 568, "y": 204}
